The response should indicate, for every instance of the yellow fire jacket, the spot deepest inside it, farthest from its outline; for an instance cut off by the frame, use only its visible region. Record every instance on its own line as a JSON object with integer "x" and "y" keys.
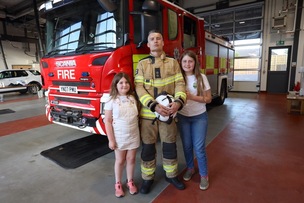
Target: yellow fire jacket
{"x": 155, "y": 75}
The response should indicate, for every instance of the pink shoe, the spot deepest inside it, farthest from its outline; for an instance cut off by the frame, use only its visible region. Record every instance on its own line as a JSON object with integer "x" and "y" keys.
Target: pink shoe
{"x": 132, "y": 187}
{"x": 118, "y": 190}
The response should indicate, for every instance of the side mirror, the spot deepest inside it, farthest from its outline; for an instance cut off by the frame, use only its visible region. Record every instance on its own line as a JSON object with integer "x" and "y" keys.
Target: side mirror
{"x": 150, "y": 19}
{"x": 107, "y": 5}
{"x": 151, "y": 6}
{"x": 148, "y": 23}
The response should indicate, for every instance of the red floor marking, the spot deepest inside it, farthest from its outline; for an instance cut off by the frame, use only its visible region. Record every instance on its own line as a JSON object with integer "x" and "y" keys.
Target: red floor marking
{"x": 19, "y": 99}
{"x": 16, "y": 126}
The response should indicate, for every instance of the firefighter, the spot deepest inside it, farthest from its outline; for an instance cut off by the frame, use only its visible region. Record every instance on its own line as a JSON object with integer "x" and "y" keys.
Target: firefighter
{"x": 154, "y": 75}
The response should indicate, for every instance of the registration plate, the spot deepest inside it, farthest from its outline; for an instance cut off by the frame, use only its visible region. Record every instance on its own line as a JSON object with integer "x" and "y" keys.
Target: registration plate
{"x": 68, "y": 89}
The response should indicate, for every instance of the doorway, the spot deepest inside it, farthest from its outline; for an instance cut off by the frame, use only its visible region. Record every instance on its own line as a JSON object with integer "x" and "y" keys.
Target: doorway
{"x": 278, "y": 69}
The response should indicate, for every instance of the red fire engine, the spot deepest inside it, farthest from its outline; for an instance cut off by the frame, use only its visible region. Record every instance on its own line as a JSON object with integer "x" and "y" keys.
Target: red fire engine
{"x": 89, "y": 41}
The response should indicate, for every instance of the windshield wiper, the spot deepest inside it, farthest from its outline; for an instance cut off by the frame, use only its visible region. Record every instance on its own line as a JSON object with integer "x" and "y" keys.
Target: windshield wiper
{"x": 56, "y": 51}
{"x": 92, "y": 46}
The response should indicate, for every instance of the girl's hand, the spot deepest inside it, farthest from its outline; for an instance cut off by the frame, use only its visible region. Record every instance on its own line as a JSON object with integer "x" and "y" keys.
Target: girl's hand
{"x": 112, "y": 145}
{"x": 189, "y": 95}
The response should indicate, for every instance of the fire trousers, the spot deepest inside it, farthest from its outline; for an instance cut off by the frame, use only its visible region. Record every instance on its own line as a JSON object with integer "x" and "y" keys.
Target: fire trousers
{"x": 149, "y": 136}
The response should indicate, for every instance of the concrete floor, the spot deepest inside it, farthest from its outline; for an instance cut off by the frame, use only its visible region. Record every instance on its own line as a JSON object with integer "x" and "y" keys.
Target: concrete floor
{"x": 27, "y": 176}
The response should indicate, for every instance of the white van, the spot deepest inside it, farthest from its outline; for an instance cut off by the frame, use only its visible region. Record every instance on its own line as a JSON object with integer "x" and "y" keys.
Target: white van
{"x": 20, "y": 81}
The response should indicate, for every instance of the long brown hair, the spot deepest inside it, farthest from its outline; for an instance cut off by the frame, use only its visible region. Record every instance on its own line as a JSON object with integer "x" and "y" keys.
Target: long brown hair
{"x": 196, "y": 71}
{"x": 116, "y": 79}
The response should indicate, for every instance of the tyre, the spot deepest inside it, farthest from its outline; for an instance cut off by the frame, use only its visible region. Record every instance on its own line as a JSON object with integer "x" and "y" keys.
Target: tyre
{"x": 23, "y": 91}
{"x": 33, "y": 88}
{"x": 223, "y": 93}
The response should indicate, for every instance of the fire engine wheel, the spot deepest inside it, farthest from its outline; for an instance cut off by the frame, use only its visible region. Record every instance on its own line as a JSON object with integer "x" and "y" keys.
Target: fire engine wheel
{"x": 33, "y": 88}
{"x": 221, "y": 99}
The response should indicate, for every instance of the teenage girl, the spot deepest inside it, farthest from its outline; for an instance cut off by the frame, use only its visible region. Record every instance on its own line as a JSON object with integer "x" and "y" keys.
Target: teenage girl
{"x": 193, "y": 119}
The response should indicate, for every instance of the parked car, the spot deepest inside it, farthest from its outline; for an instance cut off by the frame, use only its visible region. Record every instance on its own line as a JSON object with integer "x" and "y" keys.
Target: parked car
{"x": 20, "y": 81}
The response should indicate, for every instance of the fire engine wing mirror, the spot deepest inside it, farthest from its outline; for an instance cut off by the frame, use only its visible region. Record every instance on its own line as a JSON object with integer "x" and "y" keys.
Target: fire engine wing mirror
{"x": 150, "y": 6}
{"x": 150, "y": 19}
{"x": 107, "y": 5}
{"x": 148, "y": 23}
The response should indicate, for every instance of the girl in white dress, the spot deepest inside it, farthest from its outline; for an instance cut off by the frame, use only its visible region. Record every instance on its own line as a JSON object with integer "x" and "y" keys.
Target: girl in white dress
{"x": 121, "y": 122}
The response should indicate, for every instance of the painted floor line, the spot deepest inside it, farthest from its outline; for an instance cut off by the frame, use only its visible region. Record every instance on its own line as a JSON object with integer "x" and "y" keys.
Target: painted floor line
{"x": 16, "y": 126}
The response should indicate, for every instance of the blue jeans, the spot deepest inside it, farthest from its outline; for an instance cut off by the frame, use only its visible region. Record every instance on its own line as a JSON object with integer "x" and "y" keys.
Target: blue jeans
{"x": 193, "y": 132}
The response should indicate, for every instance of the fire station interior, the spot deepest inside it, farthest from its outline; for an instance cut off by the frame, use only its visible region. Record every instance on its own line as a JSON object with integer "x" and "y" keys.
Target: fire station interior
{"x": 254, "y": 139}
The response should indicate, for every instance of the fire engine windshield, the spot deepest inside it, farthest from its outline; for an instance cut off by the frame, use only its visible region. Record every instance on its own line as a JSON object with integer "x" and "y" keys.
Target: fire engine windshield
{"x": 83, "y": 27}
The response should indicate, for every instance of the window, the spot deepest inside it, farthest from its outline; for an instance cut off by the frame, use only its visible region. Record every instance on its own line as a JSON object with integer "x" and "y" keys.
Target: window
{"x": 211, "y": 52}
{"x": 222, "y": 17}
{"x": 248, "y": 25}
{"x": 189, "y": 33}
{"x": 221, "y": 29}
{"x": 279, "y": 58}
{"x": 248, "y": 51}
{"x": 21, "y": 73}
{"x": 246, "y": 69}
{"x": 7, "y": 74}
{"x": 84, "y": 28}
{"x": 173, "y": 26}
{"x": 67, "y": 39}
{"x": 243, "y": 27}
{"x": 35, "y": 72}
{"x": 251, "y": 13}
{"x": 106, "y": 30}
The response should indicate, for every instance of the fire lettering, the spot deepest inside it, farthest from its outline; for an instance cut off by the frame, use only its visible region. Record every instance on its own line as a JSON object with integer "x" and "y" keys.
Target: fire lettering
{"x": 66, "y": 74}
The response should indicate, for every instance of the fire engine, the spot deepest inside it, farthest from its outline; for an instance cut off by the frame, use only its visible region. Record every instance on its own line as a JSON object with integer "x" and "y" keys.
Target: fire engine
{"x": 88, "y": 41}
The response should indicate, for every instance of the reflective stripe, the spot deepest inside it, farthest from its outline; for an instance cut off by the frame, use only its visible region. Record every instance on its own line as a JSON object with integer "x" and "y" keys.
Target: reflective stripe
{"x": 209, "y": 62}
{"x": 170, "y": 168}
{"x": 139, "y": 78}
{"x": 136, "y": 58}
{"x": 223, "y": 62}
{"x": 159, "y": 82}
{"x": 178, "y": 76}
{"x": 181, "y": 95}
{"x": 166, "y": 81}
{"x": 211, "y": 65}
{"x": 145, "y": 99}
{"x": 146, "y": 113}
{"x": 147, "y": 171}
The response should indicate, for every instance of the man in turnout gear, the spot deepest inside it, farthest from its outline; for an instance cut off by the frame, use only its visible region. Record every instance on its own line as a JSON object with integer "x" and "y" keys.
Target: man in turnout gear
{"x": 156, "y": 74}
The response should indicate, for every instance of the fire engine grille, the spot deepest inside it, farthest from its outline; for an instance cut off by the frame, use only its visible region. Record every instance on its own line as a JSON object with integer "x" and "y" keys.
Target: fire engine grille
{"x": 79, "y": 101}
{"x": 72, "y": 117}
{"x": 77, "y": 84}
{"x": 67, "y": 109}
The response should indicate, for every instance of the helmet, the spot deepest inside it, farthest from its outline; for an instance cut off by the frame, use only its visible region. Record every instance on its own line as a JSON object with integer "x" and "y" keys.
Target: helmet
{"x": 164, "y": 99}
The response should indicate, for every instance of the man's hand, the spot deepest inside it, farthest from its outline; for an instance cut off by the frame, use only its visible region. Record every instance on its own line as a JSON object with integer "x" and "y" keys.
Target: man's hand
{"x": 173, "y": 107}
{"x": 162, "y": 110}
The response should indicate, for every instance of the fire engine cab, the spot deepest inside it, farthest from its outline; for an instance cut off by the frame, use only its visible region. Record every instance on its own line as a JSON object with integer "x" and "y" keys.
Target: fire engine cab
{"x": 88, "y": 41}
